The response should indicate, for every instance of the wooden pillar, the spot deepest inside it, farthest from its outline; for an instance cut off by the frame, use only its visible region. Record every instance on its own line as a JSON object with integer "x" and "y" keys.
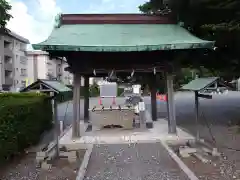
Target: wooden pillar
{"x": 76, "y": 105}
{"x": 86, "y": 98}
{"x": 153, "y": 88}
{"x": 172, "y": 125}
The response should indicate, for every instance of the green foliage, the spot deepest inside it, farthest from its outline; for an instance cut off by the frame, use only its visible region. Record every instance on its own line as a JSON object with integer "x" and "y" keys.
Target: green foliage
{"x": 215, "y": 20}
{"x": 120, "y": 91}
{"x": 5, "y": 7}
{"x": 152, "y": 6}
{"x": 209, "y": 14}
{"x": 94, "y": 90}
{"x": 23, "y": 118}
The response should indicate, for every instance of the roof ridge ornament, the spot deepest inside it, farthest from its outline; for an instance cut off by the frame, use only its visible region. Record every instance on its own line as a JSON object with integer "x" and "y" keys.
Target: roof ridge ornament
{"x": 57, "y": 22}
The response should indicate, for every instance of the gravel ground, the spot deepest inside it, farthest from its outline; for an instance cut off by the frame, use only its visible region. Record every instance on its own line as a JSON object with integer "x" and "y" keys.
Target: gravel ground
{"x": 132, "y": 161}
{"x": 227, "y": 141}
{"x": 26, "y": 169}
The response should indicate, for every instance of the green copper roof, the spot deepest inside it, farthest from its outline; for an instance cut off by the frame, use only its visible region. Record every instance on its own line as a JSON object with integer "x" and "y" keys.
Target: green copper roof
{"x": 199, "y": 83}
{"x": 121, "y": 37}
{"x": 52, "y": 85}
{"x": 60, "y": 87}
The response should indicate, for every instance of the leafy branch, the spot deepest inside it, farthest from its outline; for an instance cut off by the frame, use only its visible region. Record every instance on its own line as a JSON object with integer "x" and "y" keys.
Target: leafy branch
{"x": 5, "y": 16}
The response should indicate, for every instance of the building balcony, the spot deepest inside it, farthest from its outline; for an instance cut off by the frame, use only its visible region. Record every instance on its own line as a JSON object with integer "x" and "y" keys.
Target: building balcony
{"x": 8, "y": 52}
{"x": 8, "y": 66}
{"x": 8, "y": 81}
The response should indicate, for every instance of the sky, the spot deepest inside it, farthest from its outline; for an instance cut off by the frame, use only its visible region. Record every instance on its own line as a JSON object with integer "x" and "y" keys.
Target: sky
{"x": 34, "y": 19}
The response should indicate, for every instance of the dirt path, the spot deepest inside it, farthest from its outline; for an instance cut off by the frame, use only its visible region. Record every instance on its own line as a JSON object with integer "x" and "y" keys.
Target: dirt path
{"x": 132, "y": 161}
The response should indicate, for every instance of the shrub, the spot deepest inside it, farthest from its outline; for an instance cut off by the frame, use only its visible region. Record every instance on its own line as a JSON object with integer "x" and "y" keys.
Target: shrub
{"x": 23, "y": 118}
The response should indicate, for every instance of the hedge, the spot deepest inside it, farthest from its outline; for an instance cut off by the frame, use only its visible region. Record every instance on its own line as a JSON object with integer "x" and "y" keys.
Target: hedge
{"x": 23, "y": 118}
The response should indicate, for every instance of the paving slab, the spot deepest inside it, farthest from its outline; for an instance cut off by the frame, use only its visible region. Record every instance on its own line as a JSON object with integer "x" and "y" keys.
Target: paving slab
{"x": 148, "y": 161}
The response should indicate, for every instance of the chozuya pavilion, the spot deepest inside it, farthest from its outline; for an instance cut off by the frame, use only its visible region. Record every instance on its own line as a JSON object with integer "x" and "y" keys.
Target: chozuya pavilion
{"x": 96, "y": 44}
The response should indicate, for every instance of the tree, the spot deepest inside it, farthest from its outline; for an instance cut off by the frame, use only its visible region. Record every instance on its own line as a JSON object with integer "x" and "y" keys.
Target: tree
{"x": 209, "y": 14}
{"x": 216, "y": 20}
{"x": 5, "y": 16}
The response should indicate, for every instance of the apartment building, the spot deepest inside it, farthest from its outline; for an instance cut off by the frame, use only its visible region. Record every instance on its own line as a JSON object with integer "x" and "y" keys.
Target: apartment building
{"x": 13, "y": 61}
{"x": 41, "y": 66}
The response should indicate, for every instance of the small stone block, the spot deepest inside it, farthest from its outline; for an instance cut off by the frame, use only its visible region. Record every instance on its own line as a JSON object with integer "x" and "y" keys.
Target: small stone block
{"x": 72, "y": 157}
{"x": 72, "y": 153}
{"x": 62, "y": 157}
{"x": 41, "y": 154}
{"x": 63, "y": 148}
{"x": 185, "y": 155}
{"x": 46, "y": 166}
{"x": 40, "y": 158}
{"x": 64, "y": 154}
{"x": 149, "y": 125}
{"x": 215, "y": 152}
{"x": 200, "y": 157}
{"x": 185, "y": 152}
{"x": 188, "y": 150}
{"x": 73, "y": 146}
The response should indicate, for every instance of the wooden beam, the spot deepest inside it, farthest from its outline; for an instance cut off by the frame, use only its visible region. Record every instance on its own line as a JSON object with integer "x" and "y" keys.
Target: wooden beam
{"x": 114, "y": 19}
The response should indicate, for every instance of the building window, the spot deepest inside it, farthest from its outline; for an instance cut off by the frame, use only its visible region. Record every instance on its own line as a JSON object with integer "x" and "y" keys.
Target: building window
{"x": 8, "y": 73}
{"x": 23, "y": 60}
{"x": 23, "y": 83}
{"x": 22, "y": 47}
{"x": 7, "y": 44}
{"x": 23, "y": 72}
{"x": 7, "y": 59}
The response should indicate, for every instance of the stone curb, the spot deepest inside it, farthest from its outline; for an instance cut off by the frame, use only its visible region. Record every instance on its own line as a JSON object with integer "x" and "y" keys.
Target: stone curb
{"x": 180, "y": 163}
{"x": 83, "y": 168}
